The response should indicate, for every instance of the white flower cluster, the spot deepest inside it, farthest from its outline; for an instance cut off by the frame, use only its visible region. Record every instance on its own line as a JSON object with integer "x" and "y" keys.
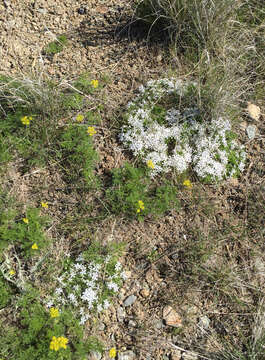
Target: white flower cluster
{"x": 87, "y": 286}
{"x": 172, "y": 138}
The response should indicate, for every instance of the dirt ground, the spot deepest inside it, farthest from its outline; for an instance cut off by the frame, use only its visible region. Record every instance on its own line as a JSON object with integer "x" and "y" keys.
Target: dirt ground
{"x": 102, "y": 40}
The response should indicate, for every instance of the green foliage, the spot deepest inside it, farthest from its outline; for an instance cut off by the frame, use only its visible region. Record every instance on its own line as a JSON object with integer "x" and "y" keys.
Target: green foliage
{"x": 5, "y": 292}
{"x": 131, "y": 184}
{"x": 36, "y": 331}
{"x": 56, "y": 46}
{"x": 13, "y": 230}
{"x": 77, "y": 155}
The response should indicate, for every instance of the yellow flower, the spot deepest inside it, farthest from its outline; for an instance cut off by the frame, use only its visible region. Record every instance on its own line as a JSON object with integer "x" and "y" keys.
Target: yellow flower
{"x": 112, "y": 353}
{"x": 150, "y": 164}
{"x": 187, "y": 183}
{"x": 94, "y": 83}
{"x": 141, "y": 206}
{"x": 12, "y": 272}
{"x": 26, "y": 220}
{"x": 54, "y": 312}
{"x": 91, "y": 130}
{"x": 58, "y": 343}
{"x": 79, "y": 117}
{"x": 26, "y": 120}
{"x": 34, "y": 246}
{"x": 44, "y": 205}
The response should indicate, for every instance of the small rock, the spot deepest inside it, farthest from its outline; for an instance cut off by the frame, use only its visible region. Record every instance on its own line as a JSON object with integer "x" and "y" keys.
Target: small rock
{"x": 171, "y": 317}
{"x": 259, "y": 266}
{"x": 132, "y": 323}
{"x": 145, "y": 292}
{"x": 95, "y": 355}
{"x": 176, "y": 355}
{"x": 82, "y": 10}
{"x": 204, "y": 322}
{"x": 120, "y": 314}
{"x": 253, "y": 111}
{"x": 159, "y": 324}
{"x": 101, "y": 326}
{"x": 189, "y": 356}
{"x": 42, "y": 11}
{"x": 251, "y": 131}
{"x": 127, "y": 355}
{"x": 130, "y": 300}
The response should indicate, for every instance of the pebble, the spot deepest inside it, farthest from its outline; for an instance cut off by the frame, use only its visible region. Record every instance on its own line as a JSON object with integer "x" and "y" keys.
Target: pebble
{"x": 101, "y": 326}
{"x": 189, "y": 356}
{"x": 42, "y": 11}
{"x": 251, "y": 131}
{"x": 204, "y": 322}
{"x": 130, "y": 300}
{"x": 171, "y": 317}
{"x": 132, "y": 323}
{"x": 120, "y": 314}
{"x": 145, "y": 292}
{"x": 126, "y": 355}
{"x": 159, "y": 324}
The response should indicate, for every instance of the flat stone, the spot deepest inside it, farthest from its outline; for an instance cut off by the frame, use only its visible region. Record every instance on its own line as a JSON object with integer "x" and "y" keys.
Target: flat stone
{"x": 204, "y": 322}
{"x": 159, "y": 324}
{"x": 189, "y": 356}
{"x": 120, "y": 314}
{"x": 130, "y": 300}
{"x": 171, "y": 317}
{"x": 251, "y": 131}
{"x": 127, "y": 355}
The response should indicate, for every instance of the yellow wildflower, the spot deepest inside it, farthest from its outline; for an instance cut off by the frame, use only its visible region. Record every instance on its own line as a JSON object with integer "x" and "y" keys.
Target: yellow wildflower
{"x": 44, "y": 205}
{"x": 112, "y": 353}
{"x": 187, "y": 183}
{"x": 34, "y": 246}
{"x": 94, "y": 83}
{"x": 58, "y": 343}
{"x": 54, "y": 312}
{"x": 141, "y": 206}
{"x": 12, "y": 272}
{"x": 26, "y": 220}
{"x": 150, "y": 164}
{"x": 26, "y": 120}
{"x": 91, "y": 131}
{"x": 79, "y": 117}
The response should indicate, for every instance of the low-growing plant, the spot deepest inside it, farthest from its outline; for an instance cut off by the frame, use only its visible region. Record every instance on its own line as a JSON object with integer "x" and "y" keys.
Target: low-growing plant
{"x": 134, "y": 194}
{"x": 56, "y": 46}
{"x": 167, "y": 128}
{"x": 24, "y": 231}
{"x": 76, "y": 153}
{"x": 5, "y": 292}
{"x": 45, "y": 334}
{"x": 87, "y": 283}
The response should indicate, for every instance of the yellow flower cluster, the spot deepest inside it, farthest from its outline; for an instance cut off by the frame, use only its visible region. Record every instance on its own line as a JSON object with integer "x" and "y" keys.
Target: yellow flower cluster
{"x": 26, "y": 120}
{"x": 187, "y": 183}
{"x": 94, "y": 83}
{"x": 54, "y": 312}
{"x": 34, "y": 246}
{"x": 44, "y": 205}
{"x": 91, "y": 131}
{"x": 58, "y": 343}
{"x": 79, "y": 118}
{"x": 141, "y": 206}
{"x": 150, "y": 164}
{"x": 112, "y": 353}
{"x": 25, "y": 220}
{"x": 12, "y": 272}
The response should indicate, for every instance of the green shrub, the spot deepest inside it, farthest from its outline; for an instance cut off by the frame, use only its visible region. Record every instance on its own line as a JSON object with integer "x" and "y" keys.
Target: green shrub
{"x": 56, "y": 46}
{"x": 23, "y": 230}
{"x": 36, "y": 331}
{"x": 134, "y": 194}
